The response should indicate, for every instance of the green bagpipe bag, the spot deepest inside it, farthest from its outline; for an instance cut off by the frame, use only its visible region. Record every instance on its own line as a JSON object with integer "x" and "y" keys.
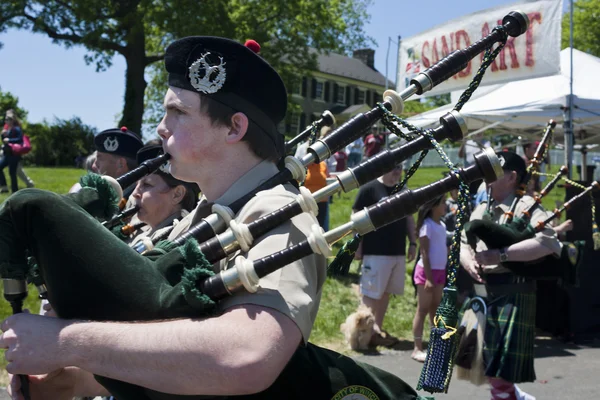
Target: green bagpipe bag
{"x": 91, "y": 274}
{"x": 497, "y": 236}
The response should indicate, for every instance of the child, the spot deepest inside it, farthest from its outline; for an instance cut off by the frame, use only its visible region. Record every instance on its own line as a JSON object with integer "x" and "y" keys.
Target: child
{"x": 430, "y": 270}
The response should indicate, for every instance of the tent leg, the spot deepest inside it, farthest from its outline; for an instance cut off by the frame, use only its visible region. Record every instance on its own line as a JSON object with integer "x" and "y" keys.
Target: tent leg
{"x": 584, "y": 177}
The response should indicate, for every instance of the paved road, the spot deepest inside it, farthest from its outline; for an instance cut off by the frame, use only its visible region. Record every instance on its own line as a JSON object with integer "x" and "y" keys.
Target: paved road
{"x": 565, "y": 372}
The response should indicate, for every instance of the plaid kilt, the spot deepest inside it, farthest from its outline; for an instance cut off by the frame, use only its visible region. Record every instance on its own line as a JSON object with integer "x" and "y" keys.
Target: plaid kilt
{"x": 509, "y": 337}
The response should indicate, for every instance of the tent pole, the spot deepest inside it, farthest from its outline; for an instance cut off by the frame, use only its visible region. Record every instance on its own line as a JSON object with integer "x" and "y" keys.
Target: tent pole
{"x": 583, "y": 176}
{"x": 568, "y": 125}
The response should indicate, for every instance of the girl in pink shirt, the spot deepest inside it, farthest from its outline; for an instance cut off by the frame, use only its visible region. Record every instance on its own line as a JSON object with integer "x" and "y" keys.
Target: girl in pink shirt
{"x": 430, "y": 270}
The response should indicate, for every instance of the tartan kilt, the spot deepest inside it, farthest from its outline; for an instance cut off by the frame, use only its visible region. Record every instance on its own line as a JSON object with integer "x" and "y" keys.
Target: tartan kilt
{"x": 509, "y": 337}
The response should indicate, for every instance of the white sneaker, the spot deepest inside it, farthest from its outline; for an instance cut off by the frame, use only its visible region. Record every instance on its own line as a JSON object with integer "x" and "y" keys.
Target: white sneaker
{"x": 521, "y": 395}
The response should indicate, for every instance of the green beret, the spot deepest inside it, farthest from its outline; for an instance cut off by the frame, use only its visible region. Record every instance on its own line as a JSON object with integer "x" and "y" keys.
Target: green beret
{"x": 232, "y": 74}
{"x": 511, "y": 161}
{"x": 121, "y": 142}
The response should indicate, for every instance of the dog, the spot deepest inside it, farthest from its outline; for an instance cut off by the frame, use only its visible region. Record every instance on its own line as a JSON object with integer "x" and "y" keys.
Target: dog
{"x": 358, "y": 328}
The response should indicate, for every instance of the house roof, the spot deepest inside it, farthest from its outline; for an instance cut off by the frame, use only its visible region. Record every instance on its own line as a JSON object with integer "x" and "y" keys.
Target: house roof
{"x": 348, "y": 67}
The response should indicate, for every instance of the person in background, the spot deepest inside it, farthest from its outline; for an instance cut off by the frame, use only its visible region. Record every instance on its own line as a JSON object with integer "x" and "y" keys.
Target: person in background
{"x": 341, "y": 159}
{"x": 162, "y": 199}
{"x": 116, "y": 153}
{"x": 20, "y": 172}
{"x": 511, "y": 300}
{"x": 90, "y": 161}
{"x": 12, "y": 134}
{"x": 430, "y": 271}
{"x": 355, "y": 152}
{"x": 374, "y": 142}
{"x": 316, "y": 178}
{"x": 383, "y": 254}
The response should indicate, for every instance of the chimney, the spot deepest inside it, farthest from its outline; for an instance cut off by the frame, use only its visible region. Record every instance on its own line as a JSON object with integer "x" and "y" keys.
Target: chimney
{"x": 367, "y": 56}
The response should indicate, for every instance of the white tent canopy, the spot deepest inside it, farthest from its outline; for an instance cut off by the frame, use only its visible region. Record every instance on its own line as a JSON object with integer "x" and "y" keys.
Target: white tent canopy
{"x": 524, "y": 107}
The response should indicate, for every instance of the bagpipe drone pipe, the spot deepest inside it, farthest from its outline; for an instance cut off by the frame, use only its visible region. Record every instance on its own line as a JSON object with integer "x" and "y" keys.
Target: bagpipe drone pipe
{"x": 514, "y": 24}
{"x": 110, "y": 281}
{"x": 327, "y": 119}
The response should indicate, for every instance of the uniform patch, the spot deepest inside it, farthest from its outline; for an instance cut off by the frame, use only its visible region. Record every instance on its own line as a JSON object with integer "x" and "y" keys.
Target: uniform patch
{"x": 355, "y": 392}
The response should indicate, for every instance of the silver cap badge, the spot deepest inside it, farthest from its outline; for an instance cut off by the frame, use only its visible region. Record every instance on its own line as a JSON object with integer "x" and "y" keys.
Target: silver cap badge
{"x": 111, "y": 144}
{"x": 213, "y": 76}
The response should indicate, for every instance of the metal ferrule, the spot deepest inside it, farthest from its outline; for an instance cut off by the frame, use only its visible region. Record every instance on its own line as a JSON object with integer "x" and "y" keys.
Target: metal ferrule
{"x": 228, "y": 242}
{"x": 423, "y": 81}
{"x": 409, "y": 91}
{"x": 308, "y": 158}
{"x": 140, "y": 247}
{"x": 42, "y": 290}
{"x": 494, "y": 162}
{"x": 347, "y": 180}
{"x": 14, "y": 286}
{"x": 320, "y": 150}
{"x": 362, "y": 223}
{"x": 231, "y": 281}
{"x": 217, "y": 224}
{"x": 460, "y": 121}
{"x": 336, "y": 234}
{"x": 327, "y": 191}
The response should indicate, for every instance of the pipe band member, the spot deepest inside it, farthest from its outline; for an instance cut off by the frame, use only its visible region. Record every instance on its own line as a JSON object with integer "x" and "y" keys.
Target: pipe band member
{"x": 511, "y": 301}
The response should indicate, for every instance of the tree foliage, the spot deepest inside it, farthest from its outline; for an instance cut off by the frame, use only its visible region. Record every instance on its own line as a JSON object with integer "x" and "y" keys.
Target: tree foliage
{"x": 9, "y": 101}
{"x": 59, "y": 143}
{"x": 586, "y": 27}
{"x": 140, "y": 30}
{"x": 53, "y": 144}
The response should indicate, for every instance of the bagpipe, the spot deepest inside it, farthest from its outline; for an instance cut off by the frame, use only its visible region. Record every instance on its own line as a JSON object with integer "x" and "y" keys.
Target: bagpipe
{"x": 160, "y": 286}
{"x": 327, "y": 119}
{"x": 112, "y": 282}
{"x": 518, "y": 228}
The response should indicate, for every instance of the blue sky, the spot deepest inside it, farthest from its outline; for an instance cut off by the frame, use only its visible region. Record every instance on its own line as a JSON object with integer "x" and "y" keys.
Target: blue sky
{"x": 51, "y": 81}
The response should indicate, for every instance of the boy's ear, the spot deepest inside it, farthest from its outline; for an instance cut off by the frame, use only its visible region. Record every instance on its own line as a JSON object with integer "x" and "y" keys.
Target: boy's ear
{"x": 238, "y": 128}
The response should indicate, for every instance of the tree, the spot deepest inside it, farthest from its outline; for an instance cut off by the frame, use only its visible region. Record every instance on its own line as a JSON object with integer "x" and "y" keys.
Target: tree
{"x": 59, "y": 143}
{"x": 9, "y": 101}
{"x": 586, "y": 27}
{"x": 139, "y": 31}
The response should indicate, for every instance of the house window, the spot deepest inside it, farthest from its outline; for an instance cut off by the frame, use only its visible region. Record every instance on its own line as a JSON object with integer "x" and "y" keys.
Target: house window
{"x": 294, "y": 123}
{"x": 297, "y": 89}
{"x": 340, "y": 96}
{"x": 319, "y": 89}
{"x": 360, "y": 97}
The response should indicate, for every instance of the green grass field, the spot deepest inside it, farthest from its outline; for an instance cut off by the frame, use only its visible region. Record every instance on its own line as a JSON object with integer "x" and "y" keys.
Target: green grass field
{"x": 339, "y": 298}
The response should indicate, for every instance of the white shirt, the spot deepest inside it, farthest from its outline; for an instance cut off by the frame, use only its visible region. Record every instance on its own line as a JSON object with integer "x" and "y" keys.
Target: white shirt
{"x": 438, "y": 251}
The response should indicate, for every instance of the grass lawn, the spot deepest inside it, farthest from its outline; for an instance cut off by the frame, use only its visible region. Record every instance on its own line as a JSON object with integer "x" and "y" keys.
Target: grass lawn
{"x": 339, "y": 295}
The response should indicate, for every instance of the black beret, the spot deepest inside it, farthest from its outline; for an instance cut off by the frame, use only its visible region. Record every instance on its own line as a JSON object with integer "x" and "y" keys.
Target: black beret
{"x": 511, "y": 161}
{"x": 121, "y": 142}
{"x": 232, "y": 74}
{"x": 149, "y": 151}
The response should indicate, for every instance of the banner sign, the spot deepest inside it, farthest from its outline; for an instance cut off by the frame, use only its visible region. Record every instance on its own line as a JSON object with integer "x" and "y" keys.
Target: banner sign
{"x": 534, "y": 54}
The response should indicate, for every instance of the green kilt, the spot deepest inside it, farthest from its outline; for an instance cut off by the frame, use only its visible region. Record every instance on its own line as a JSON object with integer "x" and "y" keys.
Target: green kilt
{"x": 509, "y": 337}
